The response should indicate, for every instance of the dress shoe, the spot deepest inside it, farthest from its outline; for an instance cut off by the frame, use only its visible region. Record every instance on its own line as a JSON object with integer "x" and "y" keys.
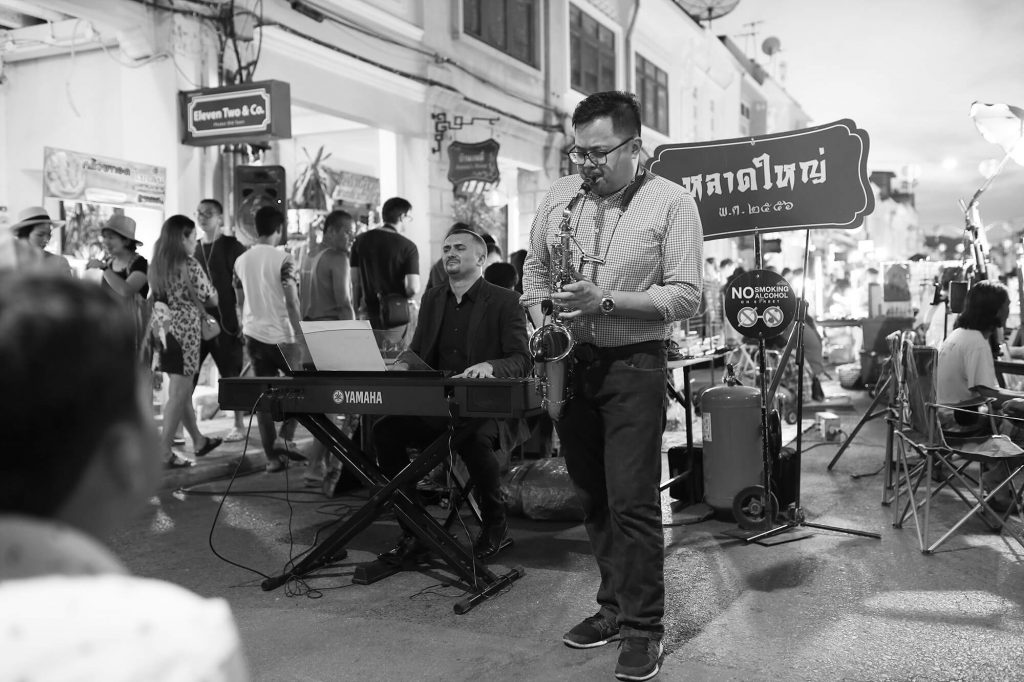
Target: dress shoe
{"x": 408, "y": 549}
{"x": 490, "y": 540}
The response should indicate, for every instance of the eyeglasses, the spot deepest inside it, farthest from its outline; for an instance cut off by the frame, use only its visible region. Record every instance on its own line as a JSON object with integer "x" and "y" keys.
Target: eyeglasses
{"x": 597, "y": 158}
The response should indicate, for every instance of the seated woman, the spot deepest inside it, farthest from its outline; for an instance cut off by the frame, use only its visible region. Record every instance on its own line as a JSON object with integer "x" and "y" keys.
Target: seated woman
{"x": 966, "y": 364}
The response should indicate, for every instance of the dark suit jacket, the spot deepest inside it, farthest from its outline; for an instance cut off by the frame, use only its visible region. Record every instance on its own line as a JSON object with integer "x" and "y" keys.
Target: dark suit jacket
{"x": 497, "y": 330}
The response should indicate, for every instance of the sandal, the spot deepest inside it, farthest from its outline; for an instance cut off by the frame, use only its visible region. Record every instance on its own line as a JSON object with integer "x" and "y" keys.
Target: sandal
{"x": 289, "y": 451}
{"x": 277, "y": 464}
{"x": 234, "y": 436}
{"x": 178, "y": 462}
{"x": 211, "y": 443}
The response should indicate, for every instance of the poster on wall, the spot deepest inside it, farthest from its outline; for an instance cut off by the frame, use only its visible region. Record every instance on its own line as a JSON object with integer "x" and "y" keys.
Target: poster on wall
{"x": 810, "y": 178}
{"x": 76, "y": 176}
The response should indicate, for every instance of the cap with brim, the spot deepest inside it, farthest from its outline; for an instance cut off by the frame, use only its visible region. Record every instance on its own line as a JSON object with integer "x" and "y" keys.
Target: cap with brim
{"x": 121, "y": 225}
{"x": 34, "y": 215}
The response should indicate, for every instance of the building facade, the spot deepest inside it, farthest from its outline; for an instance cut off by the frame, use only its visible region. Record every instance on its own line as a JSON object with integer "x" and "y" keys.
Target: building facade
{"x": 379, "y": 92}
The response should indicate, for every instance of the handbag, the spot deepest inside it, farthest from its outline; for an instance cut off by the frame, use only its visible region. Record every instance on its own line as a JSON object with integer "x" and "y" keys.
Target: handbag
{"x": 394, "y": 310}
{"x": 209, "y": 327}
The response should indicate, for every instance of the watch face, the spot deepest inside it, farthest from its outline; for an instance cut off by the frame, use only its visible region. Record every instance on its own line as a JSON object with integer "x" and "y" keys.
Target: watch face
{"x": 607, "y": 305}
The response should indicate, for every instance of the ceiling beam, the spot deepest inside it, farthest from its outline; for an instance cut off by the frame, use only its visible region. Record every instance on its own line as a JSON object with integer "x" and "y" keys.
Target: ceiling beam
{"x": 12, "y": 20}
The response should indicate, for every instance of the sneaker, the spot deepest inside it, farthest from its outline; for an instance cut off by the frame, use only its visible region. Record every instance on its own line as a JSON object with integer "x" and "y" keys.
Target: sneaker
{"x": 639, "y": 658}
{"x": 597, "y": 630}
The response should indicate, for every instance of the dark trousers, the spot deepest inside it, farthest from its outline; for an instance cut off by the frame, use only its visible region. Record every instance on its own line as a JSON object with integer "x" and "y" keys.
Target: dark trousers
{"x": 611, "y": 440}
{"x": 392, "y": 435}
{"x": 267, "y": 361}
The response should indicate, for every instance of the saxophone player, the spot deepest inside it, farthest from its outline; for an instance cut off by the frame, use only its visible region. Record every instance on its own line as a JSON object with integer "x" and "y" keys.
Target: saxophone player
{"x": 637, "y": 256}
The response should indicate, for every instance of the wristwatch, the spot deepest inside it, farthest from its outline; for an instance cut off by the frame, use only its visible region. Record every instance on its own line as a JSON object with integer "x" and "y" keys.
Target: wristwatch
{"x": 607, "y": 304}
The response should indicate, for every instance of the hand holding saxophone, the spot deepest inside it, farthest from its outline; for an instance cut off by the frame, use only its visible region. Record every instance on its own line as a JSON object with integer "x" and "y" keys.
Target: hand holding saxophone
{"x": 581, "y": 297}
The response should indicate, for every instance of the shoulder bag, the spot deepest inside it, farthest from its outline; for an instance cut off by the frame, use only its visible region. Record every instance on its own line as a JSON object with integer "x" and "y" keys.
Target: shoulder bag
{"x": 394, "y": 309}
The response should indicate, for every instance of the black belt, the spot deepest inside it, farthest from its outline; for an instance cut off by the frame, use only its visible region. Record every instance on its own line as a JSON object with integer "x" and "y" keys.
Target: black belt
{"x": 588, "y": 352}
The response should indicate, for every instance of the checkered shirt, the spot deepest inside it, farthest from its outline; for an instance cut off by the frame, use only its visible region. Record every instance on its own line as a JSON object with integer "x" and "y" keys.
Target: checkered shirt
{"x": 655, "y": 246}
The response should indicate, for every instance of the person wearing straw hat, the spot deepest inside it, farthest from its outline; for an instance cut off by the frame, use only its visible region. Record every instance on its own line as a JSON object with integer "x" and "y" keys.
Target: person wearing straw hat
{"x": 35, "y": 227}
{"x": 125, "y": 273}
{"x": 124, "y": 270}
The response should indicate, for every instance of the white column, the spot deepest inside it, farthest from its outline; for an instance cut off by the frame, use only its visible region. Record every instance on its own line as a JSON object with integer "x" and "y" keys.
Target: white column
{"x": 413, "y": 172}
{"x": 388, "y": 150}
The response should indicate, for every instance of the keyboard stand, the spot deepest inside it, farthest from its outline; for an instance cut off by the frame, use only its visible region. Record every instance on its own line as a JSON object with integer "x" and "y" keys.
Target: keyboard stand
{"x": 483, "y": 582}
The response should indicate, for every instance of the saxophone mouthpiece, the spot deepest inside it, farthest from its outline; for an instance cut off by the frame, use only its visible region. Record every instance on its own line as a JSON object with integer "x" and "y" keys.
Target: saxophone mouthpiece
{"x": 587, "y": 184}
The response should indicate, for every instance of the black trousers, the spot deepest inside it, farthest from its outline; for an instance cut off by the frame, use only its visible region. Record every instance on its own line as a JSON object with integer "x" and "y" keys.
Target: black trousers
{"x": 392, "y": 435}
{"x": 611, "y": 439}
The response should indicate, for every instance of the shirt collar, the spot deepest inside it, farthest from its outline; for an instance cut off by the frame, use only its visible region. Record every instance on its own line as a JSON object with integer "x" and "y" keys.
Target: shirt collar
{"x": 472, "y": 292}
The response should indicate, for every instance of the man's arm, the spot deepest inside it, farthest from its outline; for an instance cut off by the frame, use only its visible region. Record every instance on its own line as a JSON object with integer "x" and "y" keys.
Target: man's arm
{"x": 340, "y": 282}
{"x": 515, "y": 360}
{"x": 291, "y": 303}
{"x": 679, "y": 295}
{"x": 236, "y": 284}
{"x": 357, "y": 290}
{"x": 412, "y": 285}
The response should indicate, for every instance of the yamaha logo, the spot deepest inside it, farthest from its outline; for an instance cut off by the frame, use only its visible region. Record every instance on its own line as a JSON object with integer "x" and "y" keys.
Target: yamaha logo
{"x": 339, "y": 397}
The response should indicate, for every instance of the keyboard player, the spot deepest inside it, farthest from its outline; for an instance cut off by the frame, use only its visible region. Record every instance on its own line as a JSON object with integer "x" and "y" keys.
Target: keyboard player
{"x": 467, "y": 327}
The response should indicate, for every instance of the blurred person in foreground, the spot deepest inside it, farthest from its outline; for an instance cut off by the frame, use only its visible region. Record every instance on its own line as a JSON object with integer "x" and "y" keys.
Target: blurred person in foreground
{"x": 69, "y": 609}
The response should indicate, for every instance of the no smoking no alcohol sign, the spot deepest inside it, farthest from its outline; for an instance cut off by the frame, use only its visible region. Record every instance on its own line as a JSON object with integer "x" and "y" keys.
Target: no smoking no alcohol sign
{"x": 760, "y": 304}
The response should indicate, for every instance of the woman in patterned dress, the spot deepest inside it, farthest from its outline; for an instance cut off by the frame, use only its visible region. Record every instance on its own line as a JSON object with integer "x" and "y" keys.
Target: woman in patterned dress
{"x": 178, "y": 284}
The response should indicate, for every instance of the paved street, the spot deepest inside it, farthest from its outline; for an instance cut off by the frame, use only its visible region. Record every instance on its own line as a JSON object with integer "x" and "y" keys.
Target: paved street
{"x": 831, "y": 606}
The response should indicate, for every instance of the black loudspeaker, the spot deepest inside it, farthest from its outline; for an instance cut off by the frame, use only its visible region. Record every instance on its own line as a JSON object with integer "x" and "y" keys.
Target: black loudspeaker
{"x": 957, "y": 296}
{"x": 256, "y": 187}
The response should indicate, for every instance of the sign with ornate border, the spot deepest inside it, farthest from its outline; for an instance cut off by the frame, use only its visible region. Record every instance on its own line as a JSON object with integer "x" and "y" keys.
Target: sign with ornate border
{"x": 811, "y": 178}
{"x": 252, "y": 112}
{"x": 473, "y": 161}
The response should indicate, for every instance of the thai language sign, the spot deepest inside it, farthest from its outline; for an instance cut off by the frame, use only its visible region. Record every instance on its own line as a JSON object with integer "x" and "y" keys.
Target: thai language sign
{"x": 815, "y": 177}
{"x": 473, "y": 161}
{"x": 74, "y": 176}
{"x": 252, "y": 112}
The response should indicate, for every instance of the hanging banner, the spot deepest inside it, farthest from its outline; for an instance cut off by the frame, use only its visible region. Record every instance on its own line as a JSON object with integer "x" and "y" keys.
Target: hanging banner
{"x": 811, "y": 178}
{"x": 251, "y": 112}
{"x": 74, "y": 176}
{"x": 476, "y": 161}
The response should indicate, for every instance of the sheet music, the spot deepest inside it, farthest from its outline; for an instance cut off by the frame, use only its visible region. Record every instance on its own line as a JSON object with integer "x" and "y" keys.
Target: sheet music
{"x": 343, "y": 345}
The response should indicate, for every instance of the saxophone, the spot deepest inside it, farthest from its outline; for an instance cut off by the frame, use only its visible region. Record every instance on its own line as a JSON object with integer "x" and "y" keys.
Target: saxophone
{"x": 551, "y": 345}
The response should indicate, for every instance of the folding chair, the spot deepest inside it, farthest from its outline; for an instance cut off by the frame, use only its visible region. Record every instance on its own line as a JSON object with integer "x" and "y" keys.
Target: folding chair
{"x": 931, "y": 460}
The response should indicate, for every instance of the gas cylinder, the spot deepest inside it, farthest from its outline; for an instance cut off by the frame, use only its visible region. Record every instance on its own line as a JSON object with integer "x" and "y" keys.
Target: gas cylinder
{"x": 731, "y": 425}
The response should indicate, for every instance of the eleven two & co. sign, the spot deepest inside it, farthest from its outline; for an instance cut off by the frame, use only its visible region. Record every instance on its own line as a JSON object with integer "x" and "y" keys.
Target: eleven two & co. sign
{"x": 251, "y": 112}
